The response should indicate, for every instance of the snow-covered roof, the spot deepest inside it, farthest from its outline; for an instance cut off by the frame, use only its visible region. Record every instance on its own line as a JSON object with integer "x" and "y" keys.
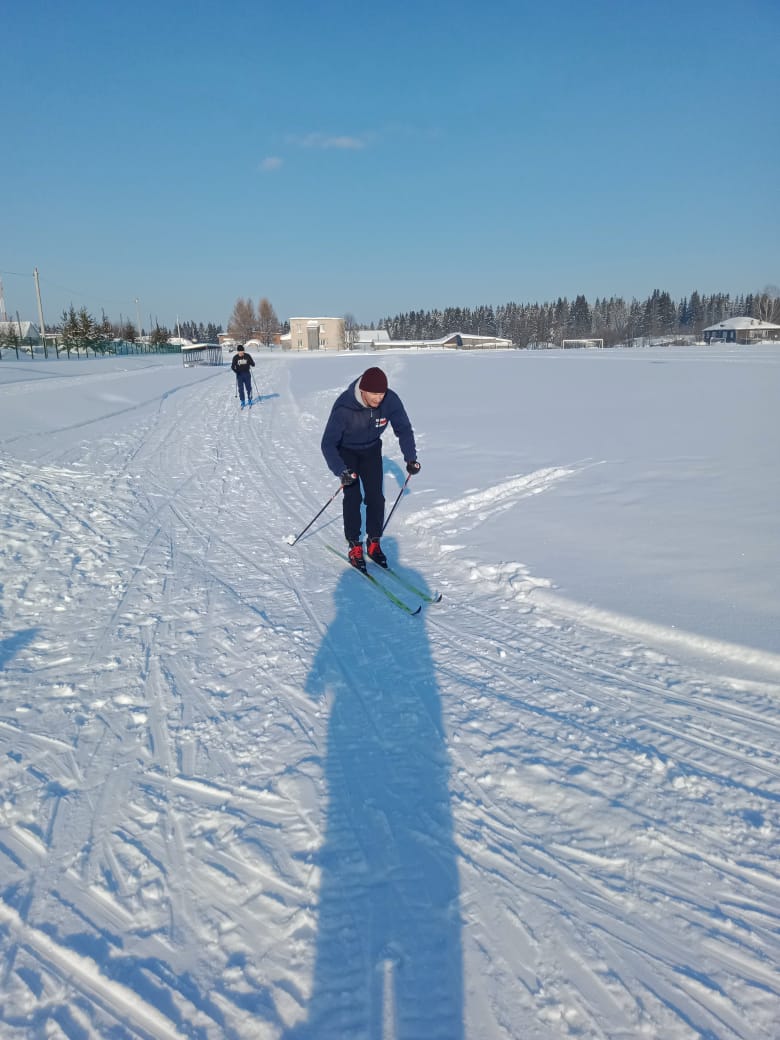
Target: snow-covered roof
{"x": 453, "y": 339}
{"x": 373, "y": 336}
{"x": 28, "y": 328}
{"x": 742, "y": 323}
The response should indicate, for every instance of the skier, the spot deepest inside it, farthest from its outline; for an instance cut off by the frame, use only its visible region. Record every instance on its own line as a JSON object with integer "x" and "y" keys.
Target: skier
{"x": 352, "y": 448}
{"x": 242, "y": 364}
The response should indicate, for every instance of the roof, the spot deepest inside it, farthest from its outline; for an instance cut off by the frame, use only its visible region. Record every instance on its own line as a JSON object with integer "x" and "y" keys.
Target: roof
{"x": 741, "y": 323}
{"x": 28, "y": 328}
{"x": 373, "y": 336}
{"x": 322, "y": 317}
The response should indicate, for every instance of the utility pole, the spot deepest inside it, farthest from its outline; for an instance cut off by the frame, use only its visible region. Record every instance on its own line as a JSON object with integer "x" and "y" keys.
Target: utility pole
{"x": 21, "y": 338}
{"x": 40, "y": 311}
{"x": 138, "y": 317}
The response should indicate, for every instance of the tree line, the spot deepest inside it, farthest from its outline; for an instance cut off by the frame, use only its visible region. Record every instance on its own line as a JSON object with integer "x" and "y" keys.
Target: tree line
{"x": 614, "y": 320}
{"x": 526, "y": 324}
{"x": 246, "y": 323}
{"x": 79, "y": 330}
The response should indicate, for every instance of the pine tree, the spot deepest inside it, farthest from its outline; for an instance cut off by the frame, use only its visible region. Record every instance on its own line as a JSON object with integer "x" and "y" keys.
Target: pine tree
{"x": 580, "y": 318}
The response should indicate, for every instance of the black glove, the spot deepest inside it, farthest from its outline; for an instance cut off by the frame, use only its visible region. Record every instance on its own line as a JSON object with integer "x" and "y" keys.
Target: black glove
{"x": 347, "y": 478}
{"x": 412, "y": 467}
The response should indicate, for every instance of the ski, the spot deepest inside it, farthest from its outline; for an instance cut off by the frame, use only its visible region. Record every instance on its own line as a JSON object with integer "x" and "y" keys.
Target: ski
{"x": 388, "y": 593}
{"x": 425, "y": 596}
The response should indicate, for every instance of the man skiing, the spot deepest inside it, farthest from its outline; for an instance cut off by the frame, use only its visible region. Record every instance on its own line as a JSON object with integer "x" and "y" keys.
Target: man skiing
{"x": 242, "y": 364}
{"x": 352, "y": 447}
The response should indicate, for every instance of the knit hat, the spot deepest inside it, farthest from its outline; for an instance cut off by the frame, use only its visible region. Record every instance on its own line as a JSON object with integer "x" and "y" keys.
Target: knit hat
{"x": 373, "y": 381}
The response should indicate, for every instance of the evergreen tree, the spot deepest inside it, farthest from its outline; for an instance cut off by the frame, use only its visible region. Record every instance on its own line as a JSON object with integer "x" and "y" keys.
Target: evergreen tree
{"x": 70, "y": 330}
{"x": 580, "y": 318}
{"x": 159, "y": 336}
{"x": 667, "y": 315}
{"x": 105, "y": 329}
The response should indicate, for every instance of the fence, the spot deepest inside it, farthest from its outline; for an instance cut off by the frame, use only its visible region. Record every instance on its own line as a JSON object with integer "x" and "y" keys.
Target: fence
{"x": 202, "y": 354}
{"x": 100, "y": 348}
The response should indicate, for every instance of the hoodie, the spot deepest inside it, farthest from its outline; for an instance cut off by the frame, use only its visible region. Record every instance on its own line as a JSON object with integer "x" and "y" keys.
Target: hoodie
{"x": 357, "y": 427}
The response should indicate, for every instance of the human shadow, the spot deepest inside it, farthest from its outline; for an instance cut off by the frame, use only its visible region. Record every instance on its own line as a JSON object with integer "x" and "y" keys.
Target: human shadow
{"x": 393, "y": 497}
{"x": 388, "y": 957}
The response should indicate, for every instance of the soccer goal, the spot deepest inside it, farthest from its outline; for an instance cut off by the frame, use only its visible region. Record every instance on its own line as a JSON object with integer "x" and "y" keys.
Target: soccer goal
{"x": 569, "y": 344}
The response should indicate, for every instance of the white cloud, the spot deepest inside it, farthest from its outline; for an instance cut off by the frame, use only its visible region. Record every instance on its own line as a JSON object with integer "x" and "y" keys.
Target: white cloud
{"x": 271, "y": 162}
{"x": 320, "y": 140}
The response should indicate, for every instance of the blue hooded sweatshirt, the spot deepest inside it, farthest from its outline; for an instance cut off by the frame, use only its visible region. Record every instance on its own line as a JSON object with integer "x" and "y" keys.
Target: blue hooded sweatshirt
{"x": 354, "y": 426}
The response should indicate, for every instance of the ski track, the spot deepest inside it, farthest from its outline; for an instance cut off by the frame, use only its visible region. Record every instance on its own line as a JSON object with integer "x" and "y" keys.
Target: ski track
{"x": 163, "y": 651}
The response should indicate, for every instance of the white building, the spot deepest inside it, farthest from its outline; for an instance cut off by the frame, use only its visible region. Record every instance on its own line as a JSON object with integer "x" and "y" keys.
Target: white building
{"x": 370, "y": 339}
{"x": 453, "y": 340}
{"x": 315, "y": 334}
{"x": 741, "y": 330}
{"x": 23, "y": 331}
{"x": 329, "y": 334}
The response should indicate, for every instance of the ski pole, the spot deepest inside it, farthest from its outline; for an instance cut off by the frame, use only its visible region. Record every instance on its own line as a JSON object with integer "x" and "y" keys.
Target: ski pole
{"x": 292, "y": 539}
{"x": 387, "y": 521}
{"x": 254, "y": 384}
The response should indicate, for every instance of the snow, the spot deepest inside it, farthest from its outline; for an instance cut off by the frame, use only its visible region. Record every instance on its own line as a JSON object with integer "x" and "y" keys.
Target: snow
{"x": 741, "y": 323}
{"x": 242, "y": 795}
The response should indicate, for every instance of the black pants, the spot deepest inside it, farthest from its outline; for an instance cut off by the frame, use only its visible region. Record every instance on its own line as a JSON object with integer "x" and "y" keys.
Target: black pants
{"x": 244, "y": 384}
{"x": 368, "y": 466}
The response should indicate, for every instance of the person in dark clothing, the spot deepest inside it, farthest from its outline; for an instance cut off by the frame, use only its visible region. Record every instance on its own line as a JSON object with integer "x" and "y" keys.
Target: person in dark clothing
{"x": 242, "y": 364}
{"x": 352, "y": 447}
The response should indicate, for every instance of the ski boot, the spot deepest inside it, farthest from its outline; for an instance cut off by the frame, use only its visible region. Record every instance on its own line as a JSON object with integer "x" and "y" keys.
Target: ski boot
{"x": 374, "y": 550}
{"x": 355, "y": 556}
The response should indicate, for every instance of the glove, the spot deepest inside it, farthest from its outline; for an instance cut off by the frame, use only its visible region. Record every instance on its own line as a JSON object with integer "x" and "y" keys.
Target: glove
{"x": 412, "y": 467}
{"x": 347, "y": 478}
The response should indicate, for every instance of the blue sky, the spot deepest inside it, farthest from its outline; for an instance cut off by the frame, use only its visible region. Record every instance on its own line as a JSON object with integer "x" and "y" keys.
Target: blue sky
{"x": 343, "y": 157}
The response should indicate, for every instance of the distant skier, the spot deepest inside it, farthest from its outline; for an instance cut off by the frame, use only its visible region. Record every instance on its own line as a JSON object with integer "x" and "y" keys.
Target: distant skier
{"x": 352, "y": 448}
{"x": 242, "y": 364}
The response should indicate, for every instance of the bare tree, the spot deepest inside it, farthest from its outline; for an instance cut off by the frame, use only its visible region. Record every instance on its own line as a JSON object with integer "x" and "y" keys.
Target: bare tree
{"x": 242, "y": 321}
{"x": 351, "y": 329}
{"x": 267, "y": 322}
{"x": 768, "y": 304}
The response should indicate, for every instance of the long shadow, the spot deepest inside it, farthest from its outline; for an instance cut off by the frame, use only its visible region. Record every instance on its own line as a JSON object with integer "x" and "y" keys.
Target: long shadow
{"x": 393, "y": 489}
{"x": 11, "y": 645}
{"x": 388, "y": 959}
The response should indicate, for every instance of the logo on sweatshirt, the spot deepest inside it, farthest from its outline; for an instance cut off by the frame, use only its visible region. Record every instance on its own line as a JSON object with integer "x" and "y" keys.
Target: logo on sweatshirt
{"x": 379, "y": 423}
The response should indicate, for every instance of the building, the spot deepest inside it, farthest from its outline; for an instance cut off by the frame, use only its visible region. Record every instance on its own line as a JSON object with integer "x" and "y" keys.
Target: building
{"x": 19, "y": 331}
{"x": 329, "y": 334}
{"x": 742, "y": 330}
{"x": 371, "y": 339}
{"x": 453, "y": 340}
{"x": 315, "y": 334}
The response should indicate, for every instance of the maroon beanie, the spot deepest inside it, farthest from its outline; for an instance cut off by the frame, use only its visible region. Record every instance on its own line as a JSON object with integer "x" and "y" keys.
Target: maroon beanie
{"x": 373, "y": 381}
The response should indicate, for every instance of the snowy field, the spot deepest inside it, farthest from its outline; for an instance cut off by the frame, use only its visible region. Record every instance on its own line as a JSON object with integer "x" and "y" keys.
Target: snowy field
{"x": 242, "y": 795}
